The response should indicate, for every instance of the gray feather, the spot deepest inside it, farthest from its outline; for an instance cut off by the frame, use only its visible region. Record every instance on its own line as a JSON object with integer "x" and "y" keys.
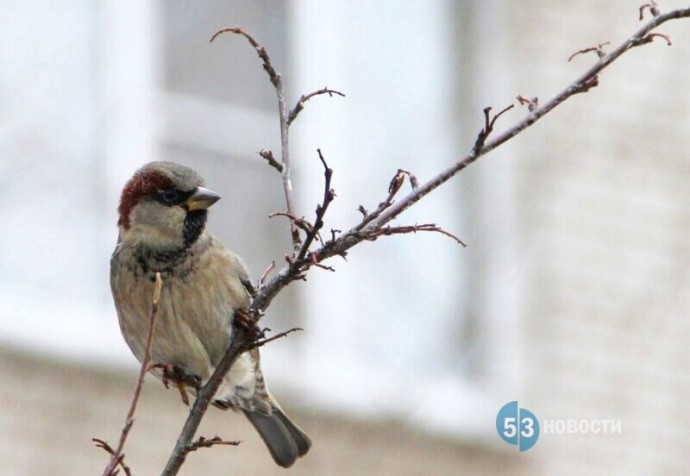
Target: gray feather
{"x": 285, "y": 441}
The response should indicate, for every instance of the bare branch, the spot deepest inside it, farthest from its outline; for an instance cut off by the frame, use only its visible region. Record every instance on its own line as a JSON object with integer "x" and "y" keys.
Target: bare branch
{"x": 260, "y": 50}
{"x": 314, "y": 256}
{"x": 117, "y": 456}
{"x": 653, "y": 9}
{"x": 599, "y": 49}
{"x": 328, "y": 196}
{"x": 587, "y": 85}
{"x": 532, "y": 103}
{"x": 339, "y": 246}
{"x": 300, "y": 223}
{"x": 120, "y": 458}
{"x": 206, "y": 443}
{"x": 401, "y": 230}
{"x": 262, "y": 279}
{"x": 306, "y": 97}
{"x": 263, "y": 341}
{"x": 268, "y": 155}
{"x": 650, "y": 37}
{"x": 394, "y": 187}
{"x": 352, "y": 237}
{"x": 489, "y": 123}
{"x": 285, "y": 171}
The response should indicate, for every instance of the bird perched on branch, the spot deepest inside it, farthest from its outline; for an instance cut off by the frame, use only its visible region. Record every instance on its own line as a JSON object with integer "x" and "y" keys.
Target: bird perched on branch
{"x": 162, "y": 218}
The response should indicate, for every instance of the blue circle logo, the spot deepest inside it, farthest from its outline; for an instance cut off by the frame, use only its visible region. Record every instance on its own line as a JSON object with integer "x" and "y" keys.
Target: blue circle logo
{"x": 517, "y": 426}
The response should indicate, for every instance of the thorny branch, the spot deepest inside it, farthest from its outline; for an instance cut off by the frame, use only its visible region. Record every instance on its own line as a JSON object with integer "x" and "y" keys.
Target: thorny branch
{"x": 376, "y": 223}
{"x": 116, "y": 456}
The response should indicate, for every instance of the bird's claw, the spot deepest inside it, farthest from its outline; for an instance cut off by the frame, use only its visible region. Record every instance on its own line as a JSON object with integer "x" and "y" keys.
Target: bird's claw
{"x": 179, "y": 377}
{"x": 247, "y": 320}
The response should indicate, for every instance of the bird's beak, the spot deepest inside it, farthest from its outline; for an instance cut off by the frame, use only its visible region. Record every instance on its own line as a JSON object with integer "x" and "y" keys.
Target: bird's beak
{"x": 201, "y": 199}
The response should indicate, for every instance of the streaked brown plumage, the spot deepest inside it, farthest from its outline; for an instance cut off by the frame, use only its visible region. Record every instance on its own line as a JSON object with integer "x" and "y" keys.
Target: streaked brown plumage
{"x": 162, "y": 217}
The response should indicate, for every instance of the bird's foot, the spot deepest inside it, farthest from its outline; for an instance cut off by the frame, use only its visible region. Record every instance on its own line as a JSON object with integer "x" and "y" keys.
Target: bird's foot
{"x": 179, "y": 377}
{"x": 247, "y": 320}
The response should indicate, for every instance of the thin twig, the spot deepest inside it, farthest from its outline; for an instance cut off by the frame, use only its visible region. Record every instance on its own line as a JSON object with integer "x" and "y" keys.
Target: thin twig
{"x": 306, "y": 97}
{"x": 653, "y": 9}
{"x": 394, "y": 187}
{"x": 262, "y": 279}
{"x": 285, "y": 171}
{"x": 489, "y": 123}
{"x": 208, "y": 443}
{"x": 401, "y": 230}
{"x": 264, "y": 341}
{"x": 328, "y": 196}
{"x": 532, "y": 103}
{"x": 650, "y": 37}
{"x": 260, "y": 50}
{"x": 117, "y": 456}
{"x": 300, "y": 223}
{"x": 599, "y": 49}
{"x": 268, "y": 155}
{"x": 585, "y": 81}
{"x": 120, "y": 459}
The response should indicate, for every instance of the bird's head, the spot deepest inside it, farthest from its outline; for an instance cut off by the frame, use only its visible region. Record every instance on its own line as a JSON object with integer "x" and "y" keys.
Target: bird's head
{"x": 164, "y": 206}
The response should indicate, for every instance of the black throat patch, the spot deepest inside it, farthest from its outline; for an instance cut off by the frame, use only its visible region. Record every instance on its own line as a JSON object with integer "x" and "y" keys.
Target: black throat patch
{"x": 194, "y": 224}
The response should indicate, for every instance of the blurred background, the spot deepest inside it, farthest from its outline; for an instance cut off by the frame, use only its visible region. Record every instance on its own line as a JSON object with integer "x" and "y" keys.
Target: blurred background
{"x": 572, "y": 296}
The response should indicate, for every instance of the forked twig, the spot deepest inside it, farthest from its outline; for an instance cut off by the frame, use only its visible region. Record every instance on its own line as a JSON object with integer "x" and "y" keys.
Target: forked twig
{"x": 489, "y": 123}
{"x": 599, "y": 50}
{"x": 284, "y": 165}
{"x": 120, "y": 458}
{"x": 208, "y": 443}
{"x": 328, "y": 196}
{"x": 306, "y": 97}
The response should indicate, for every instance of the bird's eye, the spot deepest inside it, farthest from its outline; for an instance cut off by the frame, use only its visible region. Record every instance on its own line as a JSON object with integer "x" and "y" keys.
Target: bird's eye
{"x": 169, "y": 196}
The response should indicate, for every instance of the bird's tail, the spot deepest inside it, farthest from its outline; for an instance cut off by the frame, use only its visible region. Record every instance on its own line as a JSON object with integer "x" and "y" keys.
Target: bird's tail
{"x": 285, "y": 441}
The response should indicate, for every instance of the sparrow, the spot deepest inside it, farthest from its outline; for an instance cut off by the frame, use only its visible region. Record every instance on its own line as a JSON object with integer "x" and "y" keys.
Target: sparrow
{"x": 162, "y": 229}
